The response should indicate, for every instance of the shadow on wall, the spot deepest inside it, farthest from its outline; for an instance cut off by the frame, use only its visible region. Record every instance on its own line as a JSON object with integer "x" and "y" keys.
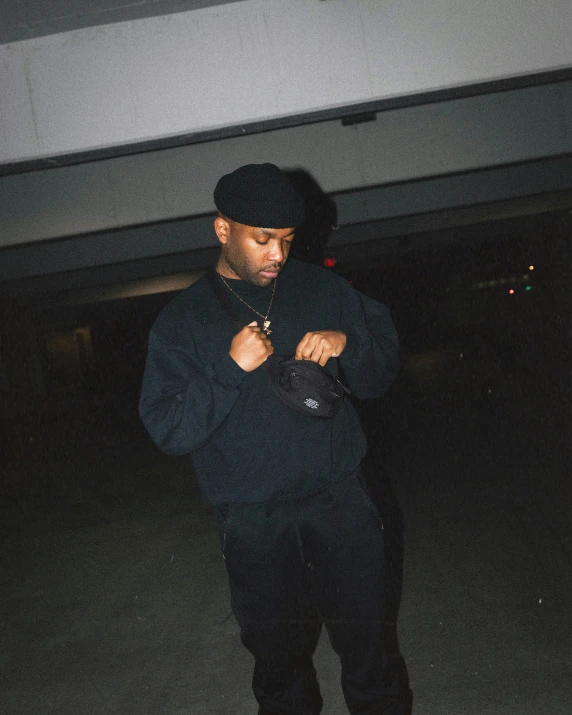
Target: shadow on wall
{"x": 310, "y": 245}
{"x": 321, "y": 219}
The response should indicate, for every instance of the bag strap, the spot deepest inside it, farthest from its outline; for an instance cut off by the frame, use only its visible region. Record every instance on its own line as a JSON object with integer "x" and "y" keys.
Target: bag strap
{"x": 222, "y": 295}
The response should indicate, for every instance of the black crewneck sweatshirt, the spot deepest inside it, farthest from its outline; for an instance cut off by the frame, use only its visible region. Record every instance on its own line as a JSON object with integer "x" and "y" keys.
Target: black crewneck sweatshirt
{"x": 246, "y": 445}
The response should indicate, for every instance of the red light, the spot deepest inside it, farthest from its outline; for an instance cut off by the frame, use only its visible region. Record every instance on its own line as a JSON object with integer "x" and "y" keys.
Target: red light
{"x": 511, "y": 291}
{"x": 330, "y": 262}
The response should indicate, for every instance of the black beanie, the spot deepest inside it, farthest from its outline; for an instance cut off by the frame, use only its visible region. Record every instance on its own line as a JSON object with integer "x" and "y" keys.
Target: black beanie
{"x": 259, "y": 195}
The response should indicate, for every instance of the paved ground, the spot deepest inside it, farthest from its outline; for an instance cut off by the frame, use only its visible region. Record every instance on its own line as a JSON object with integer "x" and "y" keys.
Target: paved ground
{"x": 120, "y": 604}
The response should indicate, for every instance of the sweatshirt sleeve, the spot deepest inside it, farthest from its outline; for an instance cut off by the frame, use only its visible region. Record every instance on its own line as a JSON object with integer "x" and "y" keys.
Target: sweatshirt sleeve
{"x": 183, "y": 401}
{"x": 370, "y": 360}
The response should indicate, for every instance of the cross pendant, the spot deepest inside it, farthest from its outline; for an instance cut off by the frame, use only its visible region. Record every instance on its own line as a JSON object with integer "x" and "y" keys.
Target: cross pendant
{"x": 266, "y": 327}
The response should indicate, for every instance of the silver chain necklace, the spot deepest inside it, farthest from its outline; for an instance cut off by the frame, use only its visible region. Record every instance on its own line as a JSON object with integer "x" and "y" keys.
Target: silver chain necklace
{"x": 266, "y": 323}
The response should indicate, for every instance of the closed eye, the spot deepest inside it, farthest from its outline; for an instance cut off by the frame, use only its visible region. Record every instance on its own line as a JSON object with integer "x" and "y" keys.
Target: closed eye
{"x": 263, "y": 243}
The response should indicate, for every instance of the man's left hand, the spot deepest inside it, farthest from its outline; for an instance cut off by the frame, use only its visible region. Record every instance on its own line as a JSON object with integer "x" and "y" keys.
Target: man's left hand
{"x": 321, "y": 345}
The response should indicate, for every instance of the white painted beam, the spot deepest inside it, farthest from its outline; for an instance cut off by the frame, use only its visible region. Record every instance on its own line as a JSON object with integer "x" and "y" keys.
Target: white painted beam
{"x": 255, "y": 60}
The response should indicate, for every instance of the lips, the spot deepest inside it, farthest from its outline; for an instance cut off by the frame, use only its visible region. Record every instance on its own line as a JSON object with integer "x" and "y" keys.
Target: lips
{"x": 270, "y": 272}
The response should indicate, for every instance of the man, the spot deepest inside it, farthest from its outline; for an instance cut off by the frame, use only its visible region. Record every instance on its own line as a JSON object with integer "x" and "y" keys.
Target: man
{"x": 302, "y": 539}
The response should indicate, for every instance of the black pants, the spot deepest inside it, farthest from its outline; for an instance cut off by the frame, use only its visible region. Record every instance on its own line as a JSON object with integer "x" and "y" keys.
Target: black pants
{"x": 294, "y": 564}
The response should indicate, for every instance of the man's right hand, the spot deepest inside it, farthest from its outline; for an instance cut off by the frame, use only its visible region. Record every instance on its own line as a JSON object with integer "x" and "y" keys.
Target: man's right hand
{"x": 251, "y": 347}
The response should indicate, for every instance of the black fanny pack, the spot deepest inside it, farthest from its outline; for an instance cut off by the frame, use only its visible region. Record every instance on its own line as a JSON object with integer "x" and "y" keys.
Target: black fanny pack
{"x": 305, "y": 386}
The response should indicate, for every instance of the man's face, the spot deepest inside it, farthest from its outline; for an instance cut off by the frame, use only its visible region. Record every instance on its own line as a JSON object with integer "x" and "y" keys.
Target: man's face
{"x": 255, "y": 255}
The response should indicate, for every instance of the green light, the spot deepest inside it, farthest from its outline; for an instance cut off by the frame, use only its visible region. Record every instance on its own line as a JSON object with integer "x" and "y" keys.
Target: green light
{"x": 528, "y": 288}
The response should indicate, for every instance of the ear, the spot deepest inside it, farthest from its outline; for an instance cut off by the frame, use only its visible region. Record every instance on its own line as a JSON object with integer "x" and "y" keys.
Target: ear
{"x": 222, "y": 229}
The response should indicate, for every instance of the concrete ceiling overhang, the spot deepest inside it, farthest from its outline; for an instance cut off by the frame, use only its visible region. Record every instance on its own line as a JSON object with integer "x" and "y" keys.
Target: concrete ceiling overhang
{"x": 348, "y": 115}
{"x": 517, "y": 123}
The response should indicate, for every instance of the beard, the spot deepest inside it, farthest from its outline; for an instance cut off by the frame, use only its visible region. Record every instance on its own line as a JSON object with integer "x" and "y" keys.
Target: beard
{"x": 244, "y": 269}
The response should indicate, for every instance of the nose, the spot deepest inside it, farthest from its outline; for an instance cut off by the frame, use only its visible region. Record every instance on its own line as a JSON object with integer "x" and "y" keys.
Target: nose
{"x": 275, "y": 252}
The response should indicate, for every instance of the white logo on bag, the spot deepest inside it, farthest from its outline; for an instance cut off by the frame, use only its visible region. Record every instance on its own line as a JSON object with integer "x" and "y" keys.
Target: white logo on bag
{"x": 309, "y": 402}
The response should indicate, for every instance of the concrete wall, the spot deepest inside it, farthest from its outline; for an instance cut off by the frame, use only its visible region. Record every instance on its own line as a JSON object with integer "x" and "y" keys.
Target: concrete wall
{"x": 380, "y": 214}
{"x": 254, "y": 60}
{"x": 400, "y": 146}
